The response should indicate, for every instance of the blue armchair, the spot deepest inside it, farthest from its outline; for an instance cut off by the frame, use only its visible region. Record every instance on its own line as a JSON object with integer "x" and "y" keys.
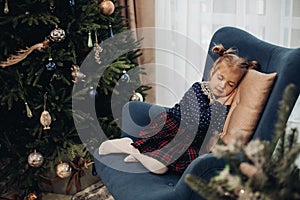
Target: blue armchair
{"x": 127, "y": 181}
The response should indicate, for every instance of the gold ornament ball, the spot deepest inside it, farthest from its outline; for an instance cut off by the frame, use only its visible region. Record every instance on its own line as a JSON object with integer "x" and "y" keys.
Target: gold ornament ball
{"x": 31, "y": 196}
{"x": 107, "y": 7}
{"x": 63, "y": 170}
{"x": 136, "y": 97}
{"x": 35, "y": 159}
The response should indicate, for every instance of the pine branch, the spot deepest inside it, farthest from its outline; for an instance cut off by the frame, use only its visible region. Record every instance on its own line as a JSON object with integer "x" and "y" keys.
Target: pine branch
{"x": 202, "y": 187}
{"x": 284, "y": 111}
{"x": 28, "y": 23}
{"x": 271, "y": 172}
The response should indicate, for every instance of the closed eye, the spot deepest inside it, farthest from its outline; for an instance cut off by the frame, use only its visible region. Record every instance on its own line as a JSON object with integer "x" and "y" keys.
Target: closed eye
{"x": 231, "y": 84}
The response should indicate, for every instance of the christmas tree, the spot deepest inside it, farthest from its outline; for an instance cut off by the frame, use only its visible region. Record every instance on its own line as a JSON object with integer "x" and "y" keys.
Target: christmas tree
{"x": 268, "y": 170}
{"x": 43, "y": 45}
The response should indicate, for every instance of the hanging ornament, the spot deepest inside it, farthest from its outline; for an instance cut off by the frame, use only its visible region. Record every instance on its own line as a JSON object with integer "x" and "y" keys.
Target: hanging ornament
{"x": 97, "y": 49}
{"x": 28, "y": 111}
{"x": 93, "y": 92}
{"x": 22, "y": 95}
{"x": 57, "y": 35}
{"x": 31, "y": 196}
{"x": 136, "y": 96}
{"x": 51, "y": 6}
{"x": 35, "y": 159}
{"x": 72, "y": 3}
{"x": 125, "y": 77}
{"x": 54, "y": 76}
{"x": 45, "y": 118}
{"x": 50, "y": 66}
{"x": 90, "y": 42}
{"x": 77, "y": 75}
{"x": 63, "y": 170}
{"x": 110, "y": 33}
{"x": 6, "y": 9}
{"x": 23, "y": 53}
{"x": 107, "y": 7}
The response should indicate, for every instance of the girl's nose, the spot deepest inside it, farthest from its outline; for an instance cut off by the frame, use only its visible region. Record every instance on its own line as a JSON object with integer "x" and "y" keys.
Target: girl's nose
{"x": 222, "y": 84}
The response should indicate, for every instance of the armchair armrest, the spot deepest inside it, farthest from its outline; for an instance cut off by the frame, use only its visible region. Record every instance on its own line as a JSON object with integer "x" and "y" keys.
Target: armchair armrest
{"x": 137, "y": 115}
{"x": 205, "y": 167}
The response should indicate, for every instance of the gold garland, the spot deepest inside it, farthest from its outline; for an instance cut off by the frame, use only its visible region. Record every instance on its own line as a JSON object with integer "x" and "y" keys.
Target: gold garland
{"x": 23, "y": 53}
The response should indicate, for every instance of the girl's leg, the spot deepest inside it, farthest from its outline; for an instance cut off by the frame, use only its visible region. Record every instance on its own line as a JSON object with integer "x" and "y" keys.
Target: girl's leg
{"x": 151, "y": 164}
{"x": 130, "y": 159}
{"x": 122, "y": 145}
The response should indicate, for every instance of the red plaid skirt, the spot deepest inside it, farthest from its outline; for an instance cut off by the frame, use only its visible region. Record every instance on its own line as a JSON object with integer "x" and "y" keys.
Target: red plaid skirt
{"x": 174, "y": 145}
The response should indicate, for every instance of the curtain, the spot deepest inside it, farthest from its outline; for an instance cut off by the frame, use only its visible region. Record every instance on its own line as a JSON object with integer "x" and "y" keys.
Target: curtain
{"x": 141, "y": 15}
{"x": 277, "y": 22}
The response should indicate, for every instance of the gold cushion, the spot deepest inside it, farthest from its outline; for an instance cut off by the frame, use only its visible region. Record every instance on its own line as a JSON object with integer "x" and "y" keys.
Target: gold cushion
{"x": 247, "y": 105}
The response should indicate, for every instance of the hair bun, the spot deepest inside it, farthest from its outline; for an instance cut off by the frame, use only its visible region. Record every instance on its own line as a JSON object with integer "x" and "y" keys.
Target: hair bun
{"x": 218, "y": 49}
{"x": 253, "y": 65}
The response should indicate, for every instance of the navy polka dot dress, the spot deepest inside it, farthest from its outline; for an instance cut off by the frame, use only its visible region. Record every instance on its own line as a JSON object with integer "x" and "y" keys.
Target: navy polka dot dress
{"x": 176, "y": 137}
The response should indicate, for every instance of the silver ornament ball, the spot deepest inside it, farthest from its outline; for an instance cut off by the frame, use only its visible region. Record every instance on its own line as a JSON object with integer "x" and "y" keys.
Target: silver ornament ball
{"x": 125, "y": 77}
{"x": 35, "y": 159}
{"x": 57, "y": 35}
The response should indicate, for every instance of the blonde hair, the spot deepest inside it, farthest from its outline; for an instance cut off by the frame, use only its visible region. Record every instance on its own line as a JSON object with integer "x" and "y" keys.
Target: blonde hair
{"x": 237, "y": 63}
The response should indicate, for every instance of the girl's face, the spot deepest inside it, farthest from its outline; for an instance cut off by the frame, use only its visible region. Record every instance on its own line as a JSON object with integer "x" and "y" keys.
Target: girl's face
{"x": 224, "y": 80}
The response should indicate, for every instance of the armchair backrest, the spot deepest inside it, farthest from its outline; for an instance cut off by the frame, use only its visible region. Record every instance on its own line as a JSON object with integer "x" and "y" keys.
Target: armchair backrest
{"x": 272, "y": 58}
